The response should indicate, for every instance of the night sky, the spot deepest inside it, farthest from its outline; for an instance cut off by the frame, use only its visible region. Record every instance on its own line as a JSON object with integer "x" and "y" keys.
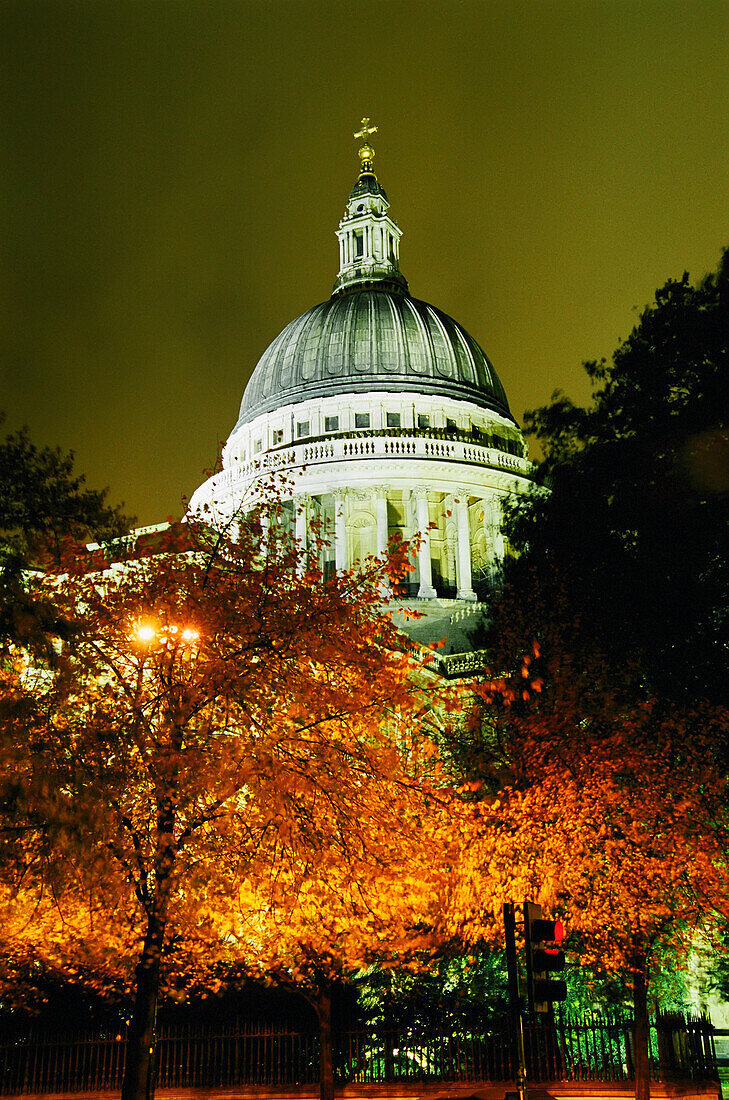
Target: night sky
{"x": 173, "y": 174}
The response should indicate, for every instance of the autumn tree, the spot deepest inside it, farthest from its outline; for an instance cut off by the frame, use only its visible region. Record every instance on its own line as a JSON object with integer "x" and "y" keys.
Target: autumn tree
{"x": 310, "y": 924}
{"x": 206, "y": 721}
{"x": 612, "y": 814}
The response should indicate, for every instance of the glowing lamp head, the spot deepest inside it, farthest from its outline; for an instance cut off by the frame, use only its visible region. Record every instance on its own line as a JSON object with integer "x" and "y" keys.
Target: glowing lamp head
{"x": 145, "y": 633}
{"x": 189, "y": 635}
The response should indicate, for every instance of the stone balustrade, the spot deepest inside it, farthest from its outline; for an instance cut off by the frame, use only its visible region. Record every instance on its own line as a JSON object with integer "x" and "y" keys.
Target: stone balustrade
{"x": 343, "y": 448}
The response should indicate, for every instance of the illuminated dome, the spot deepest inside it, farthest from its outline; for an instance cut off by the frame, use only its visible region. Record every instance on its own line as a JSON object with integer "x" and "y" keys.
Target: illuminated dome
{"x": 367, "y": 339}
{"x": 387, "y": 420}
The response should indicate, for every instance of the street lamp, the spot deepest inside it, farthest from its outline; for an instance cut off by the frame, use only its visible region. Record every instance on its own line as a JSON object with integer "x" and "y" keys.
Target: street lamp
{"x": 147, "y": 633}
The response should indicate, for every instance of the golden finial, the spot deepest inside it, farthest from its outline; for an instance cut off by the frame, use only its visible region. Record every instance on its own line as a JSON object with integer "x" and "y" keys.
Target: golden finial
{"x": 366, "y": 152}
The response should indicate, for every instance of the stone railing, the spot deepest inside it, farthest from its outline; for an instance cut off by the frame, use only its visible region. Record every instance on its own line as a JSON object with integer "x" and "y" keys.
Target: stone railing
{"x": 343, "y": 448}
{"x": 460, "y": 664}
{"x": 469, "y": 611}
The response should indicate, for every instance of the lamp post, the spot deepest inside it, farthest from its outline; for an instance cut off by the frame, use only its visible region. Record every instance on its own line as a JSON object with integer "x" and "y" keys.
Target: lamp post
{"x": 170, "y": 640}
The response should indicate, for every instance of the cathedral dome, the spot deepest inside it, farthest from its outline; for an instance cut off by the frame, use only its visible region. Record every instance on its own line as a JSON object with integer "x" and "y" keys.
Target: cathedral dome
{"x": 369, "y": 338}
{"x": 384, "y": 418}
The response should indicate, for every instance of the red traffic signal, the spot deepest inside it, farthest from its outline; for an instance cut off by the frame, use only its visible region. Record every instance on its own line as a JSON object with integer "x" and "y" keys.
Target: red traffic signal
{"x": 541, "y": 961}
{"x": 552, "y": 931}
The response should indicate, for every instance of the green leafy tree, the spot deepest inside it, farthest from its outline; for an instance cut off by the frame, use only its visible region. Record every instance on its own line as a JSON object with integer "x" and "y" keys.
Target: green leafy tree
{"x": 46, "y": 511}
{"x": 625, "y": 535}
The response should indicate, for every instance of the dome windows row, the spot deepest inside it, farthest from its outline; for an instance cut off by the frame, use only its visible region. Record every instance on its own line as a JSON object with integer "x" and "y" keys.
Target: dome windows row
{"x": 304, "y": 422}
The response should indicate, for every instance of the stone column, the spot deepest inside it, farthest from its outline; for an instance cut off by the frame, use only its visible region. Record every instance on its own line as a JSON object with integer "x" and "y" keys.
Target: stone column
{"x": 494, "y": 537}
{"x": 463, "y": 529}
{"x": 426, "y": 590}
{"x": 301, "y": 511}
{"x": 381, "y": 513}
{"x": 451, "y": 544}
{"x": 340, "y": 529}
{"x": 492, "y": 526}
{"x": 265, "y": 529}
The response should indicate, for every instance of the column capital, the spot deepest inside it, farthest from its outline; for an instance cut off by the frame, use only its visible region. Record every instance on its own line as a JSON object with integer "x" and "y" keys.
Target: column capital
{"x": 420, "y": 492}
{"x": 380, "y": 492}
{"x": 340, "y": 493}
{"x": 492, "y": 510}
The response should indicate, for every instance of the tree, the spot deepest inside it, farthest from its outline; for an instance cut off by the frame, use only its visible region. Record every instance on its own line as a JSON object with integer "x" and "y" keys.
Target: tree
{"x": 615, "y": 817}
{"x": 205, "y": 721}
{"x": 316, "y": 922}
{"x": 45, "y": 512}
{"x": 629, "y": 541}
{"x": 609, "y": 740}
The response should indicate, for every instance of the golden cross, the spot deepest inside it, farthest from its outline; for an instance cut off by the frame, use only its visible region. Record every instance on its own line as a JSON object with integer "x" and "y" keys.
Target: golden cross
{"x": 366, "y": 130}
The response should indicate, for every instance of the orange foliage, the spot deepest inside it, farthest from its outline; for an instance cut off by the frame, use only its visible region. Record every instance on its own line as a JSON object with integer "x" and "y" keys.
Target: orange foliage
{"x": 168, "y": 787}
{"x": 614, "y": 813}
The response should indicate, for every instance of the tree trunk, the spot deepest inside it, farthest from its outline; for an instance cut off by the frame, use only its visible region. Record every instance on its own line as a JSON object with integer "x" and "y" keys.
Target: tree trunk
{"x": 323, "y": 1006}
{"x": 641, "y": 1028}
{"x": 138, "y": 1083}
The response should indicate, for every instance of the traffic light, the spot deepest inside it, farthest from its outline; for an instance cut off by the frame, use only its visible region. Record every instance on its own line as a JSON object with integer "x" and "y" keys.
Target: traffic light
{"x": 541, "y": 961}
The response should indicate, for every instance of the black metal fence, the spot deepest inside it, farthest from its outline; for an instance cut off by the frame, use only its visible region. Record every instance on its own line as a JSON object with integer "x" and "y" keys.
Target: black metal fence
{"x": 239, "y": 1053}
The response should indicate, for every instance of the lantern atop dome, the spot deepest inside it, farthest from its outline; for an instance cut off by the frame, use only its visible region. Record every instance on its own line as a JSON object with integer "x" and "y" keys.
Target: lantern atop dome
{"x": 369, "y": 240}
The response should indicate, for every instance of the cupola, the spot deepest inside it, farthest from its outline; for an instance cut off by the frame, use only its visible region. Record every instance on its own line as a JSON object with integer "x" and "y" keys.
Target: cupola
{"x": 369, "y": 240}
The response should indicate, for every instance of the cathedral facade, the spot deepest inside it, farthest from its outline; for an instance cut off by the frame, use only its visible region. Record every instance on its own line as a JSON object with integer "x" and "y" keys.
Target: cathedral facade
{"x": 387, "y": 418}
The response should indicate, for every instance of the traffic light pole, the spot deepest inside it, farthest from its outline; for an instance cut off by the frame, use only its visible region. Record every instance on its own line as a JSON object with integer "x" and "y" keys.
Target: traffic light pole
{"x": 517, "y": 1024}
{"x": 532, "y": 912}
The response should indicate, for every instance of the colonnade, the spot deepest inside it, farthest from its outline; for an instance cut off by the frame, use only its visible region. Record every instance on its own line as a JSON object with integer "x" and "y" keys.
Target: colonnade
{"x": 377, "y": 245}
{"x": 454, "y": 515}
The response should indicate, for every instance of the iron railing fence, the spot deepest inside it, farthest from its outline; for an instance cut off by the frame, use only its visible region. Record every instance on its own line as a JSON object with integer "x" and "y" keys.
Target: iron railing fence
{"x": 242, "y": 1053}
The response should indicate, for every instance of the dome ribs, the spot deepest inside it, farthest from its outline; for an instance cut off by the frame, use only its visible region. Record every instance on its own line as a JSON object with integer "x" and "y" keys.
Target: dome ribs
{"x": 444, "y": 357}
{"x": 369, "y": 339}
{"x": 330, "y": 350}
{"x": 419, "y": 365}
{"x": 365, "y": 335}
{"x": 392, "y": 346}
{"x": 474, "y": 364}
{"x": 307, "y": 349}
